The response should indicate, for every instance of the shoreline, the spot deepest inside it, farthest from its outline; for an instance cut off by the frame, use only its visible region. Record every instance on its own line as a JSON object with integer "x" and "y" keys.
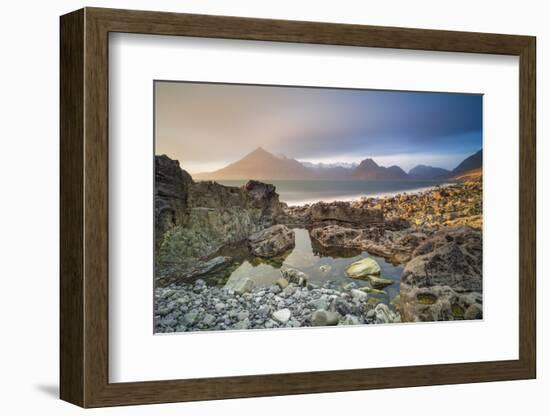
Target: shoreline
{"x": 288, "y": 195}
{"x": 379, "y": 195}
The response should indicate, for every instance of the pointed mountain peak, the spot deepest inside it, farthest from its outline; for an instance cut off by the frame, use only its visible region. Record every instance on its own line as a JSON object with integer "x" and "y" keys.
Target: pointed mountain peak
{"x": 259, "y": 154}
{"x": 259, "y": 151}
{"x": 368, "y": 163}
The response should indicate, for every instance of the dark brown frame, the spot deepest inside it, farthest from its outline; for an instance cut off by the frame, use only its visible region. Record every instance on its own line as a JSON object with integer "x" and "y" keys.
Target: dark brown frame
{"x": 84, "y": 209}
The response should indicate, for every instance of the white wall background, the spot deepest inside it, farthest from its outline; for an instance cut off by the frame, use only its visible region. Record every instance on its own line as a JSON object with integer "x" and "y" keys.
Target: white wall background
{"x": 29, "y": 208}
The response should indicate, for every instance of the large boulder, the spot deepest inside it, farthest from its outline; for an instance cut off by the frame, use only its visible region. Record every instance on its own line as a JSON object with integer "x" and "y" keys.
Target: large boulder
{"x": 362, "y": 269}
{"x": 264, "y": 197}
{"x": 324, "y": 318}
{"x": 272, "y": 241}
{"x": 379, "y": 283}
{"x": 444, "y": 278}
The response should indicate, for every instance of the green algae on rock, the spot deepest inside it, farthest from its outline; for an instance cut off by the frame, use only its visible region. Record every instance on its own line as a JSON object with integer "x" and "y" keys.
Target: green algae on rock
{"x": 363, "y": 268}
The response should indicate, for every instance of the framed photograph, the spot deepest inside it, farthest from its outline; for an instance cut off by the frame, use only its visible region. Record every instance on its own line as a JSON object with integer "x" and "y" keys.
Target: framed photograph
{"x": 255, "y": 207}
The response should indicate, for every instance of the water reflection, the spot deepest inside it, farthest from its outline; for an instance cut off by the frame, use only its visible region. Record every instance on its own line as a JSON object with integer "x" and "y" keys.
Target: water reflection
{"x": 319, "y": 263}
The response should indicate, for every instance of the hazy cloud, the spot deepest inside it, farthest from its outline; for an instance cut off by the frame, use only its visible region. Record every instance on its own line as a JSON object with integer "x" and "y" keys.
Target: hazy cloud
{"x": 207, "y": 126}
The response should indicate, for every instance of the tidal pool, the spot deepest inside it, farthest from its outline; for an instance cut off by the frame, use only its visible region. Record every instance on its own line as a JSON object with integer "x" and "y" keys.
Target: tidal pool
{"x": 321, "y": 265}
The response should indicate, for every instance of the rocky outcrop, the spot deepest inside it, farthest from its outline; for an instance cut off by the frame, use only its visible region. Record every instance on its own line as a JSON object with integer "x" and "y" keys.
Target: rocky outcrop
{"x": 272, "y": 241}
{"x": 265, "y": 198}
{"x": 442, "y": 206}
{"x": 444, "y": 278}
{"x": 335, "y": 236}
{"x": 396, "y": 247}
{"x": 193, "y": 220}
{"x": 171, "y": 191}
{"x": 320, "y": 214}
{"x": 343, "y": 213}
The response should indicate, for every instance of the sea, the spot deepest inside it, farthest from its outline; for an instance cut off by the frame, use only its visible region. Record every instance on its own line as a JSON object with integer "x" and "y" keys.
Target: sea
{"x": 301, "y": 192}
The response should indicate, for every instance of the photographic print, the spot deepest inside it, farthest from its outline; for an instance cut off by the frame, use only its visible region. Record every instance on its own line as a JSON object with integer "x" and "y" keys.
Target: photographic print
{"x": 290, "y": 207}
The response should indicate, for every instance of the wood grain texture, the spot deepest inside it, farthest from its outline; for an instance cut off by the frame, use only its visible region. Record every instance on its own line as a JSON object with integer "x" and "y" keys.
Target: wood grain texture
{"x": 84, "y": 205}
{"x": 71, "y": 100}
{"x": 527, "y": 208}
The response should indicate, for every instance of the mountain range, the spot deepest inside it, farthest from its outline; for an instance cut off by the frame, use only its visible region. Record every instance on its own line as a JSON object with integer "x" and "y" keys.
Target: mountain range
{"x": 263, "y": 165}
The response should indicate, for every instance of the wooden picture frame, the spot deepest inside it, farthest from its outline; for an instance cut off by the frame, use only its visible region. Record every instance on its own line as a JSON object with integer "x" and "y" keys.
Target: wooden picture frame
{"x": 84, "y": 207}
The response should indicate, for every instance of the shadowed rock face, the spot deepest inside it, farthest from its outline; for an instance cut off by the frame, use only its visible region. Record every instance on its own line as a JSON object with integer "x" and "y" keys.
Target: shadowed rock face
{"x": 265, "y": 198}
{"x": 171, "y": 191}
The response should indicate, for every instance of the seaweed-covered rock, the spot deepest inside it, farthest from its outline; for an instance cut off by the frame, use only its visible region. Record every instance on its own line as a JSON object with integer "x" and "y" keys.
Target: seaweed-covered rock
{"x": 378, "y": 282}
{"x": 363, "y": 268}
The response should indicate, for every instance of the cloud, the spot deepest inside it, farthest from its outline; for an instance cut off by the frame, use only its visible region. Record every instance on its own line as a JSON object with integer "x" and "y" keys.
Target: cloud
{"x": 214, "y": 124}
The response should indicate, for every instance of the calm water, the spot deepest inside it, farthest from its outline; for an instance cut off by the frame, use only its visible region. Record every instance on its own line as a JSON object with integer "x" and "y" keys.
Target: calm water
{"x": 307, "y": 257}
{"x": 298, "y": 192}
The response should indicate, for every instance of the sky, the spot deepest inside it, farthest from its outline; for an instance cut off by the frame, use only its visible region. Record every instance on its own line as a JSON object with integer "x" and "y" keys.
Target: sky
{"x": 207, "y": 126}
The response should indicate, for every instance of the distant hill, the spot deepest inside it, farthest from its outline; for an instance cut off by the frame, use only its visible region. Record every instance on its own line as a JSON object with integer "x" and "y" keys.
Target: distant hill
{"x": 428, "y": 172}
{"x": 261, "y": 165}
{"x": 468, "y": 176}
{"x": 369, "y": 170}
{"x": 472, "y": 165}
{"x": 330, "y": 170}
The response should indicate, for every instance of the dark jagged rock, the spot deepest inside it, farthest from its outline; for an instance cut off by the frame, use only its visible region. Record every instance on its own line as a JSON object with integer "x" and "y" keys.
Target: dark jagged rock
{"x": 264, "y": 197}
{"x": 171, "y": 191}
